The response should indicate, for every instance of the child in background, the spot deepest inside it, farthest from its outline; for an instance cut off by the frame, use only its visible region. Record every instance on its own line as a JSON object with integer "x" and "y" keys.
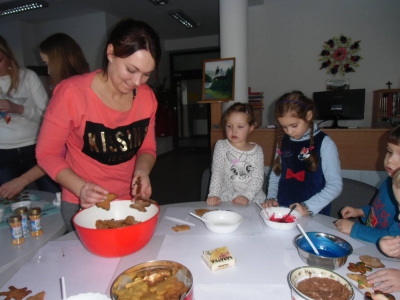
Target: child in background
{"x": 307, "y": 167}
{"x": 389, "y": 279}
{"x": 238, "y": 165}
{"x": 380, "y": 218}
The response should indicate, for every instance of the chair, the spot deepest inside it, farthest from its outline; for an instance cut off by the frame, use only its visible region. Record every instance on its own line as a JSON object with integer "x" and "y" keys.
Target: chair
{"x": 205, "y": 184}
{"x": 355, "y": 193}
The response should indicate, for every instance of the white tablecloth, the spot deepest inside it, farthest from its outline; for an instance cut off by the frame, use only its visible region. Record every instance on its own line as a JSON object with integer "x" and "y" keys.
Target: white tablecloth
{"x": 263, "y": 260}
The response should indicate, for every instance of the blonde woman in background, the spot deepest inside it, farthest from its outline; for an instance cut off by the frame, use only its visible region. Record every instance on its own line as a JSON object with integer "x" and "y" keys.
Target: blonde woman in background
{"x": 23, "y": 98}
{"x": 64, "y": 58}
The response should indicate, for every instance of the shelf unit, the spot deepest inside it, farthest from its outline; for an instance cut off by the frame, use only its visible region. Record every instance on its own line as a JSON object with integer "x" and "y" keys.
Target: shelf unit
{"x": 385, "y": 105}
{"x": 256, "y": 101}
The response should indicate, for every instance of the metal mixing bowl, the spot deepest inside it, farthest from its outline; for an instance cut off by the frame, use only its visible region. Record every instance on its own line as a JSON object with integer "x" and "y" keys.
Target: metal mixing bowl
{"x": 333, "y": 250}
{"x": 148, "y": 268}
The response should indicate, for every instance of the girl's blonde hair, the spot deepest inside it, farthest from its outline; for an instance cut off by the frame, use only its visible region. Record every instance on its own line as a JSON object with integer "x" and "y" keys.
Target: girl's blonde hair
{"x": 297, "y": 105}
{"x": 66, "y": 58}
{"x": 239, "y": 107}
{"x": 13, "y": 67}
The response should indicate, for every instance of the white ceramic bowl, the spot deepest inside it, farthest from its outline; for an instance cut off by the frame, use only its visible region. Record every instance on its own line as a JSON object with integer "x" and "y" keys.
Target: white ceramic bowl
{"x": 297, "y": 275}
{"x": 223, "y": 221}
{"x": 25, "y": 203}
{"x": 277, "y": 213}
{"x": 89, "y": 296}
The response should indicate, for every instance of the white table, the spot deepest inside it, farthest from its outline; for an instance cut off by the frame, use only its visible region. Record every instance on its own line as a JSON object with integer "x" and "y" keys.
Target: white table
{"x": 264, "y": 258}
{"x": 13, "y": 257}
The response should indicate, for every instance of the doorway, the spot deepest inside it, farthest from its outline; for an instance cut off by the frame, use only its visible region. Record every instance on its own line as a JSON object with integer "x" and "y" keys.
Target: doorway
{"x": 193, "y": 119}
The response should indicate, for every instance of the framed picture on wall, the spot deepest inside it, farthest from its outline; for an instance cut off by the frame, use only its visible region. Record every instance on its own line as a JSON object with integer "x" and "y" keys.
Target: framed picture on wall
{"x": 218, "y": 79}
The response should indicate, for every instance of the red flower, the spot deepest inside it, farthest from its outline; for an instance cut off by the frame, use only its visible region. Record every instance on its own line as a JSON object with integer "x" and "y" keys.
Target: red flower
{"x": 340, "y": 54}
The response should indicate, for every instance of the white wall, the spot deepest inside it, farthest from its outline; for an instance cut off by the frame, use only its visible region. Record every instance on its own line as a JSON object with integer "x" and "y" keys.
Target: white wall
{"x": 89, "y": 31}
{"x": 12, "y": 33}
{"x": 285, "y": 38}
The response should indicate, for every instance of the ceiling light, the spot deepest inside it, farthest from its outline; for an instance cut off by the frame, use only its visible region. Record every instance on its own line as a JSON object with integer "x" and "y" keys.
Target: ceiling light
{"x": 20, "y": 6}
{"x": 183, "y": 19}
{"x": 159, "y": 2}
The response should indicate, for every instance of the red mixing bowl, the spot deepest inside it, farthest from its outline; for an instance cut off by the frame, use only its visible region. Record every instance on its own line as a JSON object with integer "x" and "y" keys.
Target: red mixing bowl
{"x": 119, "y": 241}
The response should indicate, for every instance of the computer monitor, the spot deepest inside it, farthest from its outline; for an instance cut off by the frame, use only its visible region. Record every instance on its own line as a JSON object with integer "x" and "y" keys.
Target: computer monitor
{"x": 339, "y": 105}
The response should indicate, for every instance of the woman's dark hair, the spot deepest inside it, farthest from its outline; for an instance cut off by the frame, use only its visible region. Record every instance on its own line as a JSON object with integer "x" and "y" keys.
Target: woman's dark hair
{"x": 66, "y": 58}
{"x": 297, "y": 105}
{"x": 239, "y": 107}
{"x": 129, "y": 36}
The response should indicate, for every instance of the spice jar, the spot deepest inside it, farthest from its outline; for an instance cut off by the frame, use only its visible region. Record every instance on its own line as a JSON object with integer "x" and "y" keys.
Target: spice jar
{"x": 15, "y": 222}
{"x": 23, "y": 211}
{"x": 34, "y": 216}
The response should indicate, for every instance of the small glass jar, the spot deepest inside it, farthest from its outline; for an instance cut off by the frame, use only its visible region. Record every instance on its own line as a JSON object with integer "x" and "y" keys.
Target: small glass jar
{"x": 23, "y": 211}
{"x": 34, "y": 217}
{"x": 15, "y": 222}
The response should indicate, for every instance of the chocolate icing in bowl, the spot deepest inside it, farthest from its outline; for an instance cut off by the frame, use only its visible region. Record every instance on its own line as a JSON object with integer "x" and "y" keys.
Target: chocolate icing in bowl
{"x": 323, "y": 288}
{"x": 300, "y": 274}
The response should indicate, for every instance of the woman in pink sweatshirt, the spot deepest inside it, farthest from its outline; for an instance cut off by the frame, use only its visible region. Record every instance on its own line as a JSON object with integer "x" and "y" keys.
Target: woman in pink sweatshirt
{"x": 106, "y": 120}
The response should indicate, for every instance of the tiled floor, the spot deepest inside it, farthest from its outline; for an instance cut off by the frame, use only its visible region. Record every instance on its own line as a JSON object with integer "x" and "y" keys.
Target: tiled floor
{"x": 176, "y": 176}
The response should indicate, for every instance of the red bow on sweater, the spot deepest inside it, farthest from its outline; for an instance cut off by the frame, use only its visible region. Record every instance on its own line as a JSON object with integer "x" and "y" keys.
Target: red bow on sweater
{"x": 299, "y": 175}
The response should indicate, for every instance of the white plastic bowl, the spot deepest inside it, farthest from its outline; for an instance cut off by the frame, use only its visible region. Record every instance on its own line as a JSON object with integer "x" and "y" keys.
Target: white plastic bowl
{"x": 299, "y": 274}
{"x": 25, "y": 203}
{"x": 89, "y": 296}
{"x": 223, "y": 221}
{"x": 279, "y": 212}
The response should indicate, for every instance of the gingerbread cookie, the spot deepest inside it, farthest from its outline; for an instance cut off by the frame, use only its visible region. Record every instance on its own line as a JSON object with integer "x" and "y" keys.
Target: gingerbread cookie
{"x": 106, "y": 203}
{"x": 371, "y": 261}
{"x": 16, "y": 294}
{"x": 138, "y": 184}
{"x": 179, "y": 228}
{"x": 359, "y": 267}
{"x": 389, "y": 296}
{"x": 111, "y": 224}
{"x": 141, "y": 203}
{"x": 361, "y": 280}
{"x": 38, "y": 296}
{"x": 201, "y": 211}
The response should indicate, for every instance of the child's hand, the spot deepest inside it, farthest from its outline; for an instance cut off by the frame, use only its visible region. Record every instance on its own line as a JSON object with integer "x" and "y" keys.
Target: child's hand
{"x": 270, "y": 203}
{"x": 301, "y": 209}
{"x": 213, "y": 201}
{"x": 344, "y": 226}
{"x": 351, "y": 212}
{"x": 241, "y": 200}
{"x": 390, "y": 245}
{"x": 388, "y": 279}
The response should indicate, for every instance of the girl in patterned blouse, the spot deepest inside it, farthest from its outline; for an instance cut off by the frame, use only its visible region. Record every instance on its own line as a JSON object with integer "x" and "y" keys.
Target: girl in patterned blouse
{"x": 238, "y": 165}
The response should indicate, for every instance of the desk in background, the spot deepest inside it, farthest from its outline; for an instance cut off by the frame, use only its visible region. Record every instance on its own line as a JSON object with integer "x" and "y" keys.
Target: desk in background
{"x": 359, "y": 149}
